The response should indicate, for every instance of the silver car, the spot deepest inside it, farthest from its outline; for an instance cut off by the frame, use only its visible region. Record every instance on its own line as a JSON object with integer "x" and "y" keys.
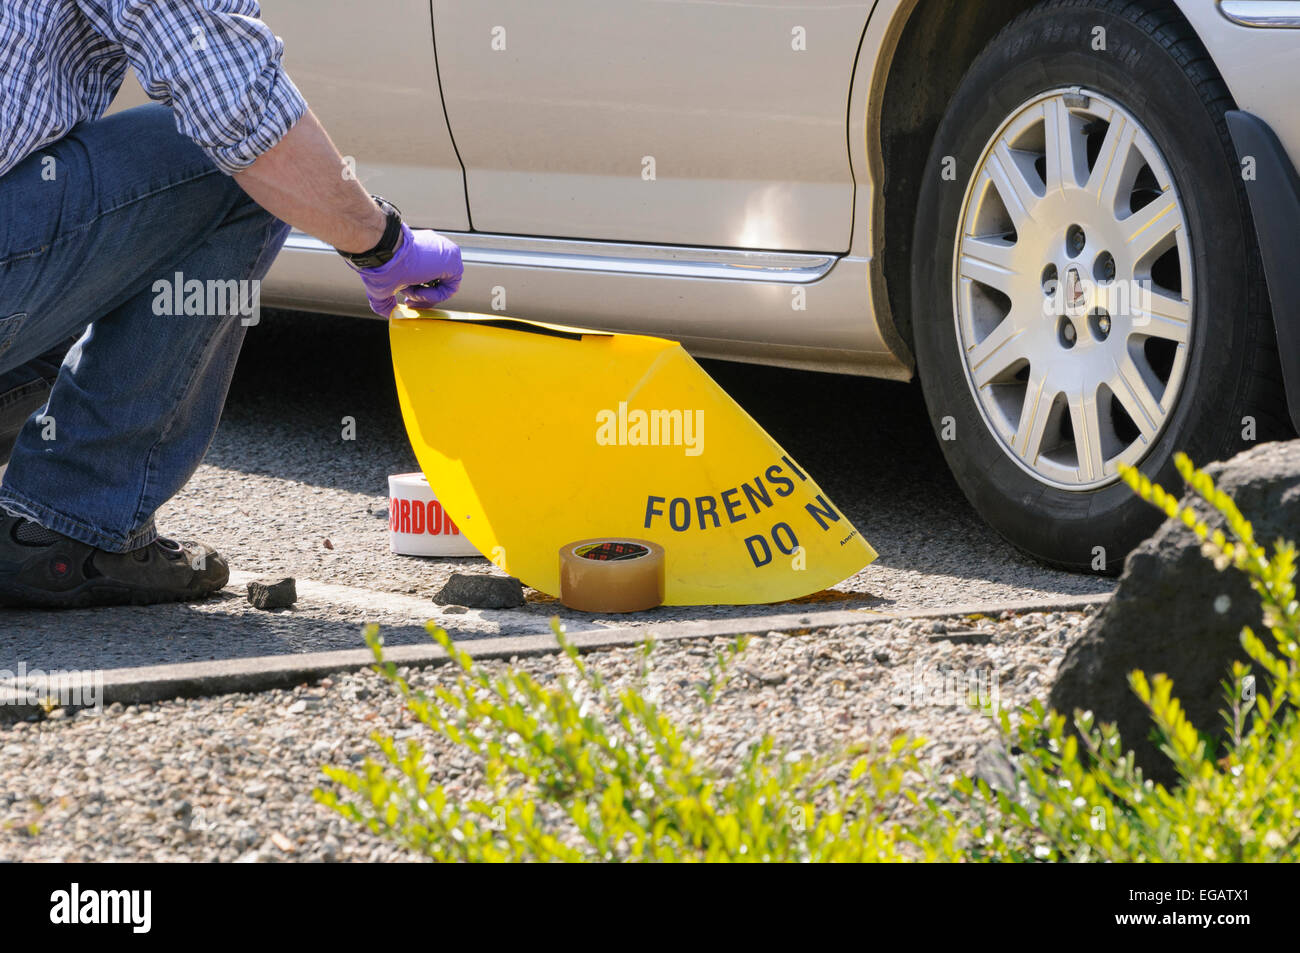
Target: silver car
{"x": 1068, "y": 217}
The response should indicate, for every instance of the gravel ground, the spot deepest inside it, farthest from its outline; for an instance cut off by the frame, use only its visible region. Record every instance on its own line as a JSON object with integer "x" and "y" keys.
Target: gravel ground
{"x": 229, "y": 778}
{"x": 282, "y": 494}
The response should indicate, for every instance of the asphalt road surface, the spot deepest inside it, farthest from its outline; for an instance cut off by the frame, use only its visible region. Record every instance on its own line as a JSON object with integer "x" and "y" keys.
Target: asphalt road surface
{"x": 282, "y": 493}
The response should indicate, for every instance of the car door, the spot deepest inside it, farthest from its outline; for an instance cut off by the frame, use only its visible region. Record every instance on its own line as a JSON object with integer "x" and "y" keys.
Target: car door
{"x": 369, "y": 72}
{"x": 665, "y": 121}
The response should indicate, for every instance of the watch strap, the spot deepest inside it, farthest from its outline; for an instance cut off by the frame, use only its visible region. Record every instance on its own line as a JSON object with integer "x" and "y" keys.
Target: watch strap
{"x": 384, "y": 250}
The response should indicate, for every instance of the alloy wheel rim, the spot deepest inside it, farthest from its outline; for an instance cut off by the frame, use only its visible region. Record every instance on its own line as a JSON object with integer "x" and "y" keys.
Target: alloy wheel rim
{"x": 1073, "y": 289}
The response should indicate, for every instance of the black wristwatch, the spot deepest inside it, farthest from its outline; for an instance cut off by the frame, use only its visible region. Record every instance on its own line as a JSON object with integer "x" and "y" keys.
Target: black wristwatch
{"x": 383, "y": 252}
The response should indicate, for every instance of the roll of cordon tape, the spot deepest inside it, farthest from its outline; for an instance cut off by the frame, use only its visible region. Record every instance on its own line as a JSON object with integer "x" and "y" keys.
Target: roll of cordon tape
{"x": 417, "y": 523}
{"x": 612, "y": 575}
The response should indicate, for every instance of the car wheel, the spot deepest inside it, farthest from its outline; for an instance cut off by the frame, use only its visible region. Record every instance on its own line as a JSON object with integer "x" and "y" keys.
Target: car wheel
{"x": 1087, "y": 289}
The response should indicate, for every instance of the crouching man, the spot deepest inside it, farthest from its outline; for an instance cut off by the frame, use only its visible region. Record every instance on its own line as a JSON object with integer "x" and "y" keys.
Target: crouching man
{"x": 94, "y": 212}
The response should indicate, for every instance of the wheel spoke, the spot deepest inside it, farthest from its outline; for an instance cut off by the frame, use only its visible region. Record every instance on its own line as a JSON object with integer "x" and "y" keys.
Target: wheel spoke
{"x": 1003, "y": 347}
{"x": 1134, "y": 394}
{"x": 988, "y": 261}
{"x": 1063, "y": 145}
{"x": 1014, "y": 189}
{"x": 1163, "y": 316}
{"x": 1086, "y": 422}
{"x": 1108, "y": 171}
{"x": 1034, "y": 414}
{"x": 1147, "y": 228}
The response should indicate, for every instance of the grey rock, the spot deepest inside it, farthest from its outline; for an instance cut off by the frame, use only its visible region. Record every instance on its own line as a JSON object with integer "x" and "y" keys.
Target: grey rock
{"x": 1174, "y": 613}
{"x": 994, "y": 767}
{"x": 272, "y": 594}
{"x": 764, "y": 678}
{"x": 479, "y": 591}
{"x": 329, "y": 849}
{"x": 963, "y": 636}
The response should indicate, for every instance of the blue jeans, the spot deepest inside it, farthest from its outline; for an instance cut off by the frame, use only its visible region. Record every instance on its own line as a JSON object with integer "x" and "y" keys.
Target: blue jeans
{"x": 95, "y": 231}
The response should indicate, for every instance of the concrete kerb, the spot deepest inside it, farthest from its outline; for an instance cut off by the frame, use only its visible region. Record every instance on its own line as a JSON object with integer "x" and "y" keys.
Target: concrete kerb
{"x": 256, "y": 674}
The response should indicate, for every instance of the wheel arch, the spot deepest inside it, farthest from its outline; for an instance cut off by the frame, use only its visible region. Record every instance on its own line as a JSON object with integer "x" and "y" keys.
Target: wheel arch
{"x": 916, "y": 53}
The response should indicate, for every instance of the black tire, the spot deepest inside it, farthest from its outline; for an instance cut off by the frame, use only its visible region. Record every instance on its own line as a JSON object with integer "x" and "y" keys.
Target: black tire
{"x": 1157, "y": 69}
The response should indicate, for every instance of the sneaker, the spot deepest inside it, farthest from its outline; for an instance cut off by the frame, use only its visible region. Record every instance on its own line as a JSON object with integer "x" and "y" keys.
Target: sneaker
{"x": 42, "y": 569}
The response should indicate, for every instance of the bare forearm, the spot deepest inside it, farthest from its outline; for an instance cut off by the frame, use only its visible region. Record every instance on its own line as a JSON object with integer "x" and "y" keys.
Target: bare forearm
{"x": 301, "y": 181}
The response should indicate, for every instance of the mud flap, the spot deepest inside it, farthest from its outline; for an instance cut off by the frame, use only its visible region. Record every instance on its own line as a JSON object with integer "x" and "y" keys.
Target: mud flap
{"x": 1274, "y": 190}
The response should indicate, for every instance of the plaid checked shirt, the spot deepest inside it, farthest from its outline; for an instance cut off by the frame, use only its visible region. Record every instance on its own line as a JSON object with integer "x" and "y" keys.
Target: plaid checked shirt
{"x": 214, "y": 61}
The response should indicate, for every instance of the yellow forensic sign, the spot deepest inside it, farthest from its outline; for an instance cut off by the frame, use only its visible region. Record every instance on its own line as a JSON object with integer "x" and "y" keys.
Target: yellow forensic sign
{"x": 535, "y": 435}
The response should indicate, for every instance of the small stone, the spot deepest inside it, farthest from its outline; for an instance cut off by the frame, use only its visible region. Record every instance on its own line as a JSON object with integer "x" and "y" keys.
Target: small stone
{"x": 963, "y": 637}
{"x": 995, "y": 768}
{"x": 455, "y": 610}
{"x": 297, "y": 708}
{"x": 272, "y": 594}
{"x": 282, "y": 842}
{"x": 480, "y": 591}
{"x": 764, "y": 678}
{"x": 256, "y": 789}
{"x": 329, "y": 849}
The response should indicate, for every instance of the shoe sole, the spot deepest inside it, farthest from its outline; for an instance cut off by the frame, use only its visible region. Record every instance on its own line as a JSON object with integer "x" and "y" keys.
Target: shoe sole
{"x": 91, "y": 595}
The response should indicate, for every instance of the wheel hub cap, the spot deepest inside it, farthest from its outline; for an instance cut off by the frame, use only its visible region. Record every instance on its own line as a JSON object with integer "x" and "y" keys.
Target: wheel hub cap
{"x": 1072, "y": 287}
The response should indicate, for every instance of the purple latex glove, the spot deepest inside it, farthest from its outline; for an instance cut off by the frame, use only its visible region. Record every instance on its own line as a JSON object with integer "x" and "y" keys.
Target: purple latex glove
{"x": 426, "y": 269}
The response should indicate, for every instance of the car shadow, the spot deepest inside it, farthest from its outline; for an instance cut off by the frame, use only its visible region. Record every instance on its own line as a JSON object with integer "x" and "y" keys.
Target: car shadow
{"x": 867, "y": 442}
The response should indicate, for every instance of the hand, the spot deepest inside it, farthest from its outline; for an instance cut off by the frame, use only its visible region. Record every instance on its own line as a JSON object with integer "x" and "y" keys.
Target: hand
{"x": 426, "y": 268}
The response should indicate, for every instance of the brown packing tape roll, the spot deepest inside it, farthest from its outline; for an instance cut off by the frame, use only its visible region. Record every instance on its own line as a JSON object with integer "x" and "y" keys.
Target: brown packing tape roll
{"x": 612, "y": 575}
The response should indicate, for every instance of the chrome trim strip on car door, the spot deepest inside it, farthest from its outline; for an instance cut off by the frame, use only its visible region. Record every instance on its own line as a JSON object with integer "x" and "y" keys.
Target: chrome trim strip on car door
{"x": 1264, "y": 14}
{"x": 669, "y": 261}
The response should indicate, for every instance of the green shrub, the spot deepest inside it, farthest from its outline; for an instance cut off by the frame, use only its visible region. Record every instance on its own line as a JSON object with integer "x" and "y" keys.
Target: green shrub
{"x": 1081, "y": 798}
{"x": 582, "y": 771}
